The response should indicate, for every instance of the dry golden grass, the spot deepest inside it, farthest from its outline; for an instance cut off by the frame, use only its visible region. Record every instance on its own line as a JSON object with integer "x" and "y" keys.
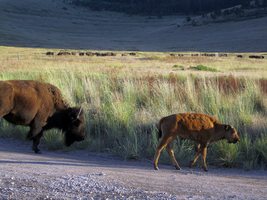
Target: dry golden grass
{"x": 33, "y": 60}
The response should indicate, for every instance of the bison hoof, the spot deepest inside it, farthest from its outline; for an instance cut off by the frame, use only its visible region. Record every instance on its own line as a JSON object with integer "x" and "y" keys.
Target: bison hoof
{"x": 38, "y": 152}
{"x": 206, "y": 170}
{"x": 177, "y": 167}
{"x": 156, "y": 168}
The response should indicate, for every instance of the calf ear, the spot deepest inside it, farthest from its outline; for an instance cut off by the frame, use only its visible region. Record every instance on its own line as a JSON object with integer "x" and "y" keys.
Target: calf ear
{"x": 227, "y": 127}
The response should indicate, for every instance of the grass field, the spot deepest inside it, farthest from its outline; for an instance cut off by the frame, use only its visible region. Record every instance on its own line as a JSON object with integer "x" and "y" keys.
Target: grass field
{"x": 125, "y": 96}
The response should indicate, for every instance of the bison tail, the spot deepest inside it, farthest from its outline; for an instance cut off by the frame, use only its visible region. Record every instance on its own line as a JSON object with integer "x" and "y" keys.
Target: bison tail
{"x": 159, "y": 134}
{"x": 159, "y": 128}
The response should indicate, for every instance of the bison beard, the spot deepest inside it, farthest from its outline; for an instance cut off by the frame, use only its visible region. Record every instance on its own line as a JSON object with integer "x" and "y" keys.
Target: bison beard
{"x": 68, "y": 121}
{"x": 40, "y": 106}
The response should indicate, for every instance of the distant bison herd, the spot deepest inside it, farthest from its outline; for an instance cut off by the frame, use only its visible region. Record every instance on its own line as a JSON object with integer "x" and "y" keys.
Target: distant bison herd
{"x": 87, "y": 53}
{"x": 215, "y": 55}
{"x": 134, "y": 54}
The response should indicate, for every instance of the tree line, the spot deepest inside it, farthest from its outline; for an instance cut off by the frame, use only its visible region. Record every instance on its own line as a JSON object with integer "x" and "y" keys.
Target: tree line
{"x": 165, "y": 7}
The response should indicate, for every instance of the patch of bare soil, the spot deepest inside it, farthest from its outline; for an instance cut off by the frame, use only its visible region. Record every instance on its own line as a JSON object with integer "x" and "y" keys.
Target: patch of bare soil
{"x": 83, "y": 175}
{"x": 53, "y": 24}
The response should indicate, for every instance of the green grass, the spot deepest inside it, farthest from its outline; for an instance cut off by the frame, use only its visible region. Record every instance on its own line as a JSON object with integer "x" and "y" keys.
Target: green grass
{"x": 205, "y": 68}
{"x": 123, "y": 105}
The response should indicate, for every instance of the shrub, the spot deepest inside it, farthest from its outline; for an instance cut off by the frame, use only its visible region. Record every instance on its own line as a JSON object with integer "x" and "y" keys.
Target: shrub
{"x": 205, "y": 68}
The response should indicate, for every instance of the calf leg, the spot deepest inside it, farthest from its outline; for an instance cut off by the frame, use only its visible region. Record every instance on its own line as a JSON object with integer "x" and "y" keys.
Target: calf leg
{"x": 198, "y": 153}
{"x": 201, "y": 150}
{"x": 169, "y": 149}
{"x": 159, "y": 148}
{"x": 204, "y": 154}
{"x": 194, "y": 159}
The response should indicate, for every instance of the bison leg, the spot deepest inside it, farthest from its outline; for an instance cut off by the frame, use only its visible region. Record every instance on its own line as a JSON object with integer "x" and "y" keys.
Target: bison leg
{"x": 195, "y": 159}
{"x": 201, "y": 150}
{"x": 204, "y": 154}
{"x": 35, "y": 143}
{"x": 169, "y": 149}
{"x": 35, "y": 134}
{"x": 159, "y": 148}
{"x": 198, "y": 153}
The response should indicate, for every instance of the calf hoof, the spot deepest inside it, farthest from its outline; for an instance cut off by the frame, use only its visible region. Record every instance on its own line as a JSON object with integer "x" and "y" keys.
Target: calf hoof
{"x": 177, "y": 168}
{"x": 38, "y": 152}
{"x": 156, "y": 168}
{"x": 206, "y": 170}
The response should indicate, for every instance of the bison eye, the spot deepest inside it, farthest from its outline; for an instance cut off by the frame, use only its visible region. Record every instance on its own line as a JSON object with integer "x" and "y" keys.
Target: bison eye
{"x": 76, "y": 123}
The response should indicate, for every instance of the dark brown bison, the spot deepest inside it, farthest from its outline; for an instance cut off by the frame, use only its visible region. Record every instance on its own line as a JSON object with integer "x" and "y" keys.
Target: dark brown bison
{"x": 239, "y": 56}
{"x": 40, "y": 106}
{"x": 89, "y": 53}
{"x": 60, "y": 53}
{"x": 63, "y": 53}
{"x": 257, "y": 57}
{"x": 201, "y": 128}
{"x": 49, "y": 53}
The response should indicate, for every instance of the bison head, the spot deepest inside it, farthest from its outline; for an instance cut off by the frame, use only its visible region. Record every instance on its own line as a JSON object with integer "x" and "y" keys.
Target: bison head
{"x": 76, "y": 126}
{"x": 231, "y": 134}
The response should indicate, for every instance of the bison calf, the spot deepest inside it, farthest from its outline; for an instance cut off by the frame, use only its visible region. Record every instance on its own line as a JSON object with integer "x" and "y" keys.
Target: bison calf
{"x": 40, "y": 106}
{"x": 201, "y": 128}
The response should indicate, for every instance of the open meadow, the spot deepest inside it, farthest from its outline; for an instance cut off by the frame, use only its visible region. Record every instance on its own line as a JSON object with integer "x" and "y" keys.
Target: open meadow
{"x": 176, "y": 66}
{"x": 124, "y": 97}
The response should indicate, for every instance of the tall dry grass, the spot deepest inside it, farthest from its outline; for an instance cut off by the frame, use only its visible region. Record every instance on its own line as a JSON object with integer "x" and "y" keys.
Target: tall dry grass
{"x": 123, "y": 105}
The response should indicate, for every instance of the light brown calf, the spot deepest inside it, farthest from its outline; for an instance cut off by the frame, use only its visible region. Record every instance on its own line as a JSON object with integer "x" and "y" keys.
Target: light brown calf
{"x": 201, "y": 128}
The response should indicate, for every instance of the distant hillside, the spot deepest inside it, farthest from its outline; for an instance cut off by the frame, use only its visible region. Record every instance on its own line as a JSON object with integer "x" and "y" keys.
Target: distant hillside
{"x": 58, "y": 25}
{"x": 166, "y": 7}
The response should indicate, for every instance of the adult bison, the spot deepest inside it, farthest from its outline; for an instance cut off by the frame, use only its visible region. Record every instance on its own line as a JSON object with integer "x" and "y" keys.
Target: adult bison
{"x": 201, "y": 128}
{"x": 40, "y": 106}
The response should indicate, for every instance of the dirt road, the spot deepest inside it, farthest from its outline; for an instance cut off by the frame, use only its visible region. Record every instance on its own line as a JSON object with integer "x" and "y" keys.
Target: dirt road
{"x": 84, "y": 175}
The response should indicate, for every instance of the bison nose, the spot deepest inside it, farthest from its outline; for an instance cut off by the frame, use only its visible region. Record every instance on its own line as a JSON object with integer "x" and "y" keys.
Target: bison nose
{"x": 236, "y": 141}
{"x": 80, "y": 138}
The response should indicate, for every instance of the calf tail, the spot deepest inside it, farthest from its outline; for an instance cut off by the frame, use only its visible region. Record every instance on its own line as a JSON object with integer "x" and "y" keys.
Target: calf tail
{"x": 159, "y": 128}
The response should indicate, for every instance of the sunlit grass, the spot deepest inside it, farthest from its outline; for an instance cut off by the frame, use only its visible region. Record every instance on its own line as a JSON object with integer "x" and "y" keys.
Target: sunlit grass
{"x": 124, "y": 98}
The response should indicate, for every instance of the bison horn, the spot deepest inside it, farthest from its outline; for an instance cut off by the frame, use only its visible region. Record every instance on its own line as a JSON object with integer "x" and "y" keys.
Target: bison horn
{"x": 79, "y": 112}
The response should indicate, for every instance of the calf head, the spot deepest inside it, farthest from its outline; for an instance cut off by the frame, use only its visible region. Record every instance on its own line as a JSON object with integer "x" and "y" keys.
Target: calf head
{"x": 76, "y": 128}
{"x": 231, "y": 134}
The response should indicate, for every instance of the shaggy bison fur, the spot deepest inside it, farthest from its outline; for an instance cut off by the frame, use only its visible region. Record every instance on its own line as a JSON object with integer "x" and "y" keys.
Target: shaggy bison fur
{"x": 40, "y": 106}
